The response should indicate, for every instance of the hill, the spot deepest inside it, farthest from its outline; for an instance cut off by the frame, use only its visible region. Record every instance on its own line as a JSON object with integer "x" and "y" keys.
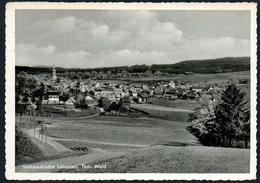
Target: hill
{"x": 173, "y": 159}
{"x": 208, "y": 66}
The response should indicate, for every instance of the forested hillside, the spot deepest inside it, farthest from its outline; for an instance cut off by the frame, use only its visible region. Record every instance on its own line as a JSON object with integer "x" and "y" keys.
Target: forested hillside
{"x": 228, "y": 64}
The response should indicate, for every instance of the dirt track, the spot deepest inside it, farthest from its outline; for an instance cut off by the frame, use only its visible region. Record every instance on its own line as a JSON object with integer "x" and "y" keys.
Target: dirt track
{"x": 159, "y": 108}
{"x": 95, "y": 155}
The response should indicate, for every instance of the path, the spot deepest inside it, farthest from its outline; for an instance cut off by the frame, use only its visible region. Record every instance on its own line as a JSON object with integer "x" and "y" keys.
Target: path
{"x": 54, "y": 165}
{"x": 52, "y": 141}
{"x": 159, "y": 108}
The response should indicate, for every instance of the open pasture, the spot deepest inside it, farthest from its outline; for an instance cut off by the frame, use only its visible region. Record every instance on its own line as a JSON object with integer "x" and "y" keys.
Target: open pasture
{"x": 127, "y": 130}
{"x": 188, "y": 159}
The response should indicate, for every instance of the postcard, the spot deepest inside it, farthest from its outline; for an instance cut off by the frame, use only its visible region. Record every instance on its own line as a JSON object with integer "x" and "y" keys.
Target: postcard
{"x": 130, "y": 91}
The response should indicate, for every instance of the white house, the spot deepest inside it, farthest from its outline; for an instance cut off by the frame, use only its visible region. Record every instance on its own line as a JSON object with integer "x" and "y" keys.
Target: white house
{"x": 172, "y": 84}
{"x": 70, "y": 103}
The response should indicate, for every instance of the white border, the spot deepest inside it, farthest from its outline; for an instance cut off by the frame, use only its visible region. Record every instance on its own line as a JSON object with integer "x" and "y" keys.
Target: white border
{"x": 10, "y": 90}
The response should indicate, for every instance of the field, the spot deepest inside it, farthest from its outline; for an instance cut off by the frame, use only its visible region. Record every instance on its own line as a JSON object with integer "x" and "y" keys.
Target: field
{"x": 169, "y": 159}
{"x": 207, "y": 78}
{"x": 126, "y": 131}
{"x": 182, "y": 104}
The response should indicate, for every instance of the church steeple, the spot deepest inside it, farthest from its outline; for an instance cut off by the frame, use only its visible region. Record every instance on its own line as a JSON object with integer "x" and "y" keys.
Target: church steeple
{"x": 53, "y": 73}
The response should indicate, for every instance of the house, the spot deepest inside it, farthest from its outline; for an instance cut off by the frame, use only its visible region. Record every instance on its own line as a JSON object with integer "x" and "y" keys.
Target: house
{"x": 53, "y": 96}
{"x": 188, "y": 85}
{"x": 188, "y": 73}
{"x": 244, "y": 81}
{"x": 97, "y": 85}
{"x": 144, "y": 87}
{"x": 90, "y": 82}
{"x": 89, "y": 100}
{"x": 206, "y": 89}
{"x": 197, "y": 88}
{"x": 125, "y": 102}
{"x": 172, "y": 84}
{"x": 104, "y": 103}
{"x": 159, "y": 91}
{"x": 142, "y": 97}
{"x": 132, "y": 92}
{"x": 70, "y": 103}
{"x": 191, "y": 94}
{"x": 181, "y": 93}
{"x": 170, "y": 93}
{"x": 158, "y": 73}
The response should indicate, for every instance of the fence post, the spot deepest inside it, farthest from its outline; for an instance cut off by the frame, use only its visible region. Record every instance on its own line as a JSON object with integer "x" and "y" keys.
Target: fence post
{"x": 21, "y": 120}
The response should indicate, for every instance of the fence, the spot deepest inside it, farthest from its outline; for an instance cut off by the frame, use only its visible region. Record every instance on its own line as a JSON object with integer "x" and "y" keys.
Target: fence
{"x": 35, "y": 120}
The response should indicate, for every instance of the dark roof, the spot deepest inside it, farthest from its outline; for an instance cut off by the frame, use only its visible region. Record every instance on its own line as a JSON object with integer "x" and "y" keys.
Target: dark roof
{"x": 171, "y": 91}
{"x": 206, "y": 88}
{"x": 53, "y": 93}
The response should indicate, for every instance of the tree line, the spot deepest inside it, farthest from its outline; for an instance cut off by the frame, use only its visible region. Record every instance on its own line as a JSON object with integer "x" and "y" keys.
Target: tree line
{"x": 209, "y": 66}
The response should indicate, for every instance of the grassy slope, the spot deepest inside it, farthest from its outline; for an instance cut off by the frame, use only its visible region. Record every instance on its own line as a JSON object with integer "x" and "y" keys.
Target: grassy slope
{"x": 25, "y": 150}
{"x": 189, "y": 159}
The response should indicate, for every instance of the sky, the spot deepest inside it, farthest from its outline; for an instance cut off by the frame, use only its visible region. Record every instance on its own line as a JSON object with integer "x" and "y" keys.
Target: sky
{"x": 107, "y": 38}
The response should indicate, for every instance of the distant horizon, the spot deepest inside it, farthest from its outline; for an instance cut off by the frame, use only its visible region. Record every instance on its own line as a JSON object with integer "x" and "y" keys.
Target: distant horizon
{"x": 45, "y": 66}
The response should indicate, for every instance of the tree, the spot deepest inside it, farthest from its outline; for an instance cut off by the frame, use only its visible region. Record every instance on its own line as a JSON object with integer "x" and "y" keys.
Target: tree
{"x": 232, "y": 115}
{"x": 225, "y": 124}
{"x": 65, "y": 96}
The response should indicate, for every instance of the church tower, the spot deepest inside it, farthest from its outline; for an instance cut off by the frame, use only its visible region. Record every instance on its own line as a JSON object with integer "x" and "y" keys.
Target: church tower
{"x": 53, "y": 74}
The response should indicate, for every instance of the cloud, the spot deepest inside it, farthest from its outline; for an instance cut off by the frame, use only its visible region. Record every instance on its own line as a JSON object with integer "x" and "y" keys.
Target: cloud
{"x": 29, "y": 54}
{"x": 135, "y": 30}
{"x": 117, "y": 38}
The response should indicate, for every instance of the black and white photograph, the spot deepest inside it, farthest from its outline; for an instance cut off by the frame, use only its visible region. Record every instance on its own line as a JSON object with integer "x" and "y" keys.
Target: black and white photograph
{"x": 150, "y": 91}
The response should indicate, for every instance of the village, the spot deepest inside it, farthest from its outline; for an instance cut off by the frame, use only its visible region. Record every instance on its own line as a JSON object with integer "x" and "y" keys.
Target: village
{"x": 58, "y": 94}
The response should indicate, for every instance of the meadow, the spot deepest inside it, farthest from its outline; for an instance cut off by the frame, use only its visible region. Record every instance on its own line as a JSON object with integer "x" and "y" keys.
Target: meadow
{"x": 127, "y": 130}
{"x": 169, "y": 159}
